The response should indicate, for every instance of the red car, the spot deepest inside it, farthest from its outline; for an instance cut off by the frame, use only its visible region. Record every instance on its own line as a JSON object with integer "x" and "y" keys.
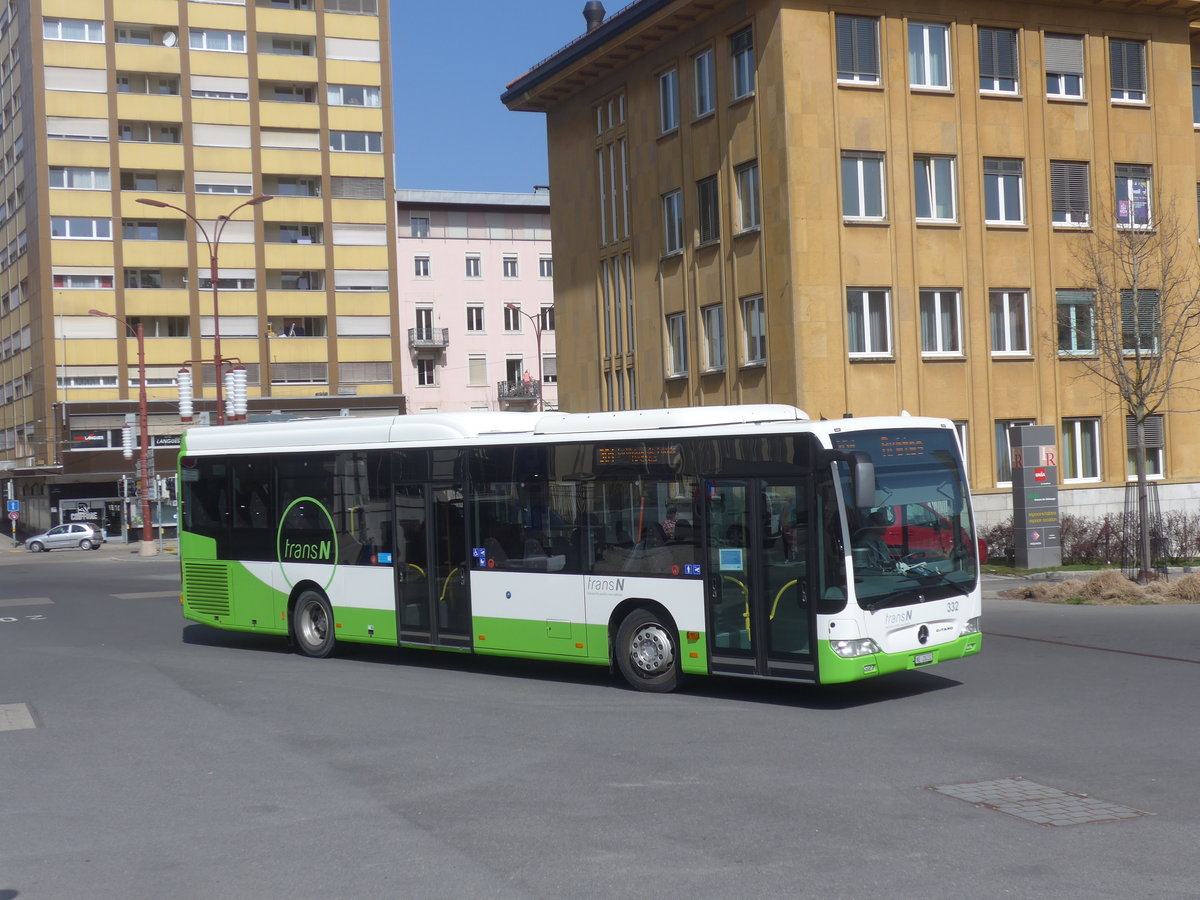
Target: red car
{"x": 919, "y": 528}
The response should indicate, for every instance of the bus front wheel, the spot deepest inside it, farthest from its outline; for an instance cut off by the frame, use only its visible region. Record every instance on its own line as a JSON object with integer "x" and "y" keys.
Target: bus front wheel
{"x": 312, "y": 624}
{"x": 647, "y": 654}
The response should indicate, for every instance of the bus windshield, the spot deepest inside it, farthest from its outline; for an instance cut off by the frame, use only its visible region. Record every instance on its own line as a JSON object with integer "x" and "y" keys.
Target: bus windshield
{"x": 917, "y": 542}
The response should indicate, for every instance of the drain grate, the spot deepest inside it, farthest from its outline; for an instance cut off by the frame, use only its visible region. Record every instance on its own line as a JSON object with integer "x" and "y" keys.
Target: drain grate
{"x": 15, "y": 716}
{"x": 1038, "y": 803}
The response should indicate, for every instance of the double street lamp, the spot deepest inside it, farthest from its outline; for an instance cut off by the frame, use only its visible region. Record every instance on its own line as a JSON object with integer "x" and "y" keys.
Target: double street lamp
{"x": 537, "y": 333}
{"x": 147, "y": 548}
{"x": 214, "y": 242}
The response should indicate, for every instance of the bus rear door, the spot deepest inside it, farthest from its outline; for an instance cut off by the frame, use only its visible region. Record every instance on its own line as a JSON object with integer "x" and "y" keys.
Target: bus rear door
{"x": 433, "y": 604}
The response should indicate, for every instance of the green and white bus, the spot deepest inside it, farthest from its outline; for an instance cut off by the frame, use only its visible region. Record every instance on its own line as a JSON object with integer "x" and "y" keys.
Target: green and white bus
{"x": 717, "y": 540}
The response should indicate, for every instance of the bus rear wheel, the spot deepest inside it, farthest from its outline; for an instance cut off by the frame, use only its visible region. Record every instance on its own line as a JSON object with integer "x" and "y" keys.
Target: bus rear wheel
{"x": 647, "y": 653}
{"x": 312, "y": 624}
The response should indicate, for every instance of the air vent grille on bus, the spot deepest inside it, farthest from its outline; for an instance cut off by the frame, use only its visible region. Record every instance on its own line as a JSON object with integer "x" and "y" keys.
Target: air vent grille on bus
{"x": 206, "y": 587}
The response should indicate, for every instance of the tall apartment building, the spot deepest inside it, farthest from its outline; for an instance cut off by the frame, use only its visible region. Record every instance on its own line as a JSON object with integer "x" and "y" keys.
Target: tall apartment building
{"x": 202, "y": 106}
{"x": 476, "y": 297}
{"x": 865, "y": 209}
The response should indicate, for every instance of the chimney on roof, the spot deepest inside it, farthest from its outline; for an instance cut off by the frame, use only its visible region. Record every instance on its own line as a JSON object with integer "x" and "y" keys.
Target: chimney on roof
{"x": 593, "y": 14}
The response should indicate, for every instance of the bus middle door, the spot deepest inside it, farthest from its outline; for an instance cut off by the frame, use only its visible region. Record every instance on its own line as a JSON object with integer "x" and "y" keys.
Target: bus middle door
{"x": 432, "y": 588}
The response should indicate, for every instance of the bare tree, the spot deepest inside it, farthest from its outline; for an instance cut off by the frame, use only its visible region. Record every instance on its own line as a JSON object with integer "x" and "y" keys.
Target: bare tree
{"x": 1137, "y": 325}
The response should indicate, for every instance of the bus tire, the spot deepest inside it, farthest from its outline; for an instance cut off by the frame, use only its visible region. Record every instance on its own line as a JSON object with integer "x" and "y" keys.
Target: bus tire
{"x": 647, "y": 653}
{"x": 312, "y": 624}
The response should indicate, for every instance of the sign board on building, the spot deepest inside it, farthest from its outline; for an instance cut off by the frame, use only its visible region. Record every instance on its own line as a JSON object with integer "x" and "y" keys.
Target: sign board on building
{"x": 1035, "y": 496}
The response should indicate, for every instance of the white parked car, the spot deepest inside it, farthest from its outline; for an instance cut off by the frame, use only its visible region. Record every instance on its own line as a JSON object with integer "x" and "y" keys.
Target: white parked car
{"x": 74, "y": 534}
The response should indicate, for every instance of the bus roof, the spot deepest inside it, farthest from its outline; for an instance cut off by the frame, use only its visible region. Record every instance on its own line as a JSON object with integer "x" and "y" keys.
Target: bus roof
{"x": 457, "y": 427}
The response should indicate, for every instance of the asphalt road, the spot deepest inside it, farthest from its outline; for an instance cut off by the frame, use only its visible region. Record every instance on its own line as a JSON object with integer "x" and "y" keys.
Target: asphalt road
{"x": 168, "y": 759}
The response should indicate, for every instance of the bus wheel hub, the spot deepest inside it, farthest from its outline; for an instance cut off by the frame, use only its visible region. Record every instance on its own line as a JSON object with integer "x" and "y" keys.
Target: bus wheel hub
{"x": 651, "y": 650}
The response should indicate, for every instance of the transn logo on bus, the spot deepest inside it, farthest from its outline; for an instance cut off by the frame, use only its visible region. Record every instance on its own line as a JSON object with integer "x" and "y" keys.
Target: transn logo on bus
{"x": 321, "y": 551}
{"x": 898, "y": 618}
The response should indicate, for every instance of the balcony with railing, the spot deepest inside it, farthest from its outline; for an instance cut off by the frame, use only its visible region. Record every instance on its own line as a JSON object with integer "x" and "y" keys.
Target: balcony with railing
{"x": 428, "y": 338}
{"x": 518, "y": 392}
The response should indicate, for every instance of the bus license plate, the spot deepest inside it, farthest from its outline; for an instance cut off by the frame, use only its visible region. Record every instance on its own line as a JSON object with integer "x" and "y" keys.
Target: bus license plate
{"x": 922, "y": 659}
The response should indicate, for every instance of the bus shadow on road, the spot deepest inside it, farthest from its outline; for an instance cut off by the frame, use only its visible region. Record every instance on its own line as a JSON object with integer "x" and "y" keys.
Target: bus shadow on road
{"x": 715, "y": 687}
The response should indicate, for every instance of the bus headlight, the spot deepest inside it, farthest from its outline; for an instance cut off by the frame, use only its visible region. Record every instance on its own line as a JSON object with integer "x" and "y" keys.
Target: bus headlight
{"x": 851, "y": 649}
{"x": 972, "y": 626}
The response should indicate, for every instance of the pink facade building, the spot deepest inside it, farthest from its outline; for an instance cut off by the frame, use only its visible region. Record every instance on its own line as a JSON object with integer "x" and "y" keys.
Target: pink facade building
{"x": 476, "y": 295}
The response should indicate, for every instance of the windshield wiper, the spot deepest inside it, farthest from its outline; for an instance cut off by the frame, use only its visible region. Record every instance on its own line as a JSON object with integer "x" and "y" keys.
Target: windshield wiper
{"x": 890, "y": 600}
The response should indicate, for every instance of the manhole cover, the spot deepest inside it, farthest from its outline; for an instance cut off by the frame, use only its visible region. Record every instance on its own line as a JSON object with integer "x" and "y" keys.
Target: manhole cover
{"x": 15, "y": 716}
{"x": 1038, "y": 803}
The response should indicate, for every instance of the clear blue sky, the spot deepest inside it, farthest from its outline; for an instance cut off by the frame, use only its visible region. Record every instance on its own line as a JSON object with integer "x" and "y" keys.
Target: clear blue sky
{"x": 451, "y": 60}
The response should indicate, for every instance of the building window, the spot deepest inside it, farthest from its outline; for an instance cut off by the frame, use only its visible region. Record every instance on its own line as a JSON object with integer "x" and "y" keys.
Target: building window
{"x": 998, "y": 68}
{"x": 1070, "y": 196}
{"x": 1009, "y": 315}
{"x": 1064, "y": 65}
{"x": 713, "y": 320}
{"x": 1154, "y": 440}
{"x": 1128, "y": 60}
{"x": 139, "y": 279}
{"x": 868, "y": 322}
{"x": 862, "y": 185}
{"x": 1141, "y": 323}
{"x": 677, "y": 355}
{"x": 421, "y": 266}
{"x": 1076, "y": 322}
{"x": 857, "y": 49}
{"x": 476, "y": 370}
{"x": 708, "y": 209}
{"x": 83, "y": 282}
{"x": 353, "y": 95}
{"x": 1196, "y": 97}
{"x": 80, "y": 228}
{"x": 1080, "y": 454}
{"x": 741, "y": 49}
{"x": 512, "y": 317}
{"x": 355, "y": 142}
{"x": 749, "y": 213}
{"x": 1133, "y": 196}
{"x": 672, "y": 207}
{"x": 933, "y": 179}
{"x": 546, "y": 318}
{"x": 213, "y": 39}
{"x": 549, "y": 369}
{"x": 509, "y": 266}
{"x": 928, "y": 55}
{"x": 473, "y": 265}
{"x": 668, "y": 101}
{"x": 705, "y": 87}
{"x": 475, "y": 318}
{"x": 73, "y": 30}
{"x": 941, "y": 323}
{"x": 754, "y": 331}
{"x": 1004, "y": 448}
{"x": 1003, "y": 196}
{"x": 418, "y": 226}
{"x": 425, "y": 372}
{"x": 80, "y": 179}
{"x": 545, "y": 267}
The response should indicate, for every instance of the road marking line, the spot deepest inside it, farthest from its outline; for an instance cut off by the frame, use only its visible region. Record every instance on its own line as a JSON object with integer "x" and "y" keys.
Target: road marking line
{"x": 26, "y": 601}
{"x": 150, "y": 595}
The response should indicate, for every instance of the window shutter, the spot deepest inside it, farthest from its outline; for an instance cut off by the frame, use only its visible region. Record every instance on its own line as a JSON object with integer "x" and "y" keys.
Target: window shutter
{"x": 1128, "y": 60}
{"x": 1153, "y": 432}
{"x": 234, "y": 178}
{"x": 290, "y": 139}
{"x": 364, "y": 372}
{"x": 231, "y": 326}
{"x": 997, "y": 53}
{"x": 220, "y": 84}
{"x": 77, "y": 127}
{"x": 364, "y": 326}
{"x": 741, "y": 42}
{"x": 300, "y": 372}
{"x": 344, "y": 187}
{"x": 1064, "y": 54}
{"x": 1073, "y": 298}
{"x": 61, "y": 79}
{"x": 220, "y": 135}
{"x": 857, "y": 47}
{"x": 1069, "y": 186}
{"x": 346, "y": 48}
{"x": 1003, "y": 166}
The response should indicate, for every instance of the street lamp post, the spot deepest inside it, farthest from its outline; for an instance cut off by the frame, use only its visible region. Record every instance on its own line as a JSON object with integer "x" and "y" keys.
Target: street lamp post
{"x": 537, "y": 334}
{"x": 214, "y": 244}
{"x": 148, "y": 548}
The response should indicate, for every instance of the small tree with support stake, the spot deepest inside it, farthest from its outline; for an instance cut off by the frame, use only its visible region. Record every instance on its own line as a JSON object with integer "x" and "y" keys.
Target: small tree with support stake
{"x": 1137, "y": 319}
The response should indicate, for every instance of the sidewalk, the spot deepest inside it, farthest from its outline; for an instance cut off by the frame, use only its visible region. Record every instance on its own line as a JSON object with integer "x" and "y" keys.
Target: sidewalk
{"x": 107, "y": 550}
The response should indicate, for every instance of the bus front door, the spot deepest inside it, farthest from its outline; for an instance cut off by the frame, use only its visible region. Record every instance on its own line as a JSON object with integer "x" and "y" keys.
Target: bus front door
{"x": 759, "y": 617}
{"x": 433, "y": 605}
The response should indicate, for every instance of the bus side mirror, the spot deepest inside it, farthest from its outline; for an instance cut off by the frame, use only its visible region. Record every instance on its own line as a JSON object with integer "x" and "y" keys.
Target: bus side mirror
{"x": 862, "y": 475}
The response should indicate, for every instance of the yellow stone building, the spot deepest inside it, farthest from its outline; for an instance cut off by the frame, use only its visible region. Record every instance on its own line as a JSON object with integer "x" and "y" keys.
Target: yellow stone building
{"x": 863, "y": 208}
{"x": 200, "y": 106}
